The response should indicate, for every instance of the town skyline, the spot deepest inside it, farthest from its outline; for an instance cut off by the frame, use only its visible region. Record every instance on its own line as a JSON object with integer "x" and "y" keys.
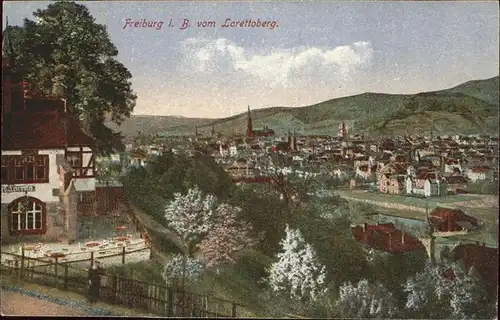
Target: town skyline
{"x": 315, "y": 53}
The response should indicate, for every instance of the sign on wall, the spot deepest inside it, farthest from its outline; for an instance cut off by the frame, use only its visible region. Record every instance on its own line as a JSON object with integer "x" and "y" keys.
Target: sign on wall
{"x": 13, "y": 188}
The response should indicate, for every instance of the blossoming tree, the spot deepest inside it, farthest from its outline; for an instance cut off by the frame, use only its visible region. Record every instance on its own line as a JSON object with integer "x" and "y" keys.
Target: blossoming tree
{"x": 297, "y": 273}
{"x": 192, "y": 216}
{"x": 445, "y": 291}
{"x": 365, "y": 301}
{"x": 228, "y": 237}
{"x": 183, "y": 269}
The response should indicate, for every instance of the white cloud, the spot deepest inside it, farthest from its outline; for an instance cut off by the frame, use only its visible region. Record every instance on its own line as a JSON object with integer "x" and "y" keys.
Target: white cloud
{"x": 279, "y": 68}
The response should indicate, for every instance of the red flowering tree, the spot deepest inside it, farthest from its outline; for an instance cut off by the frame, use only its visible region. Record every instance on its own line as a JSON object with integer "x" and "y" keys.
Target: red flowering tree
{"x": 227, "y": 237}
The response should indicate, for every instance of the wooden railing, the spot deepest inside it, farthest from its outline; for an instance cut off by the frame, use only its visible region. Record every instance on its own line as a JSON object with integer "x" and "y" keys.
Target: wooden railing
{"x": 158, "y": 299}
{"x": 89, "y": 254}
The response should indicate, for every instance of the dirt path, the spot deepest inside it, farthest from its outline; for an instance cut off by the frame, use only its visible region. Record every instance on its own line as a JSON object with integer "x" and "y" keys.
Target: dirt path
{"x": 17, "y": 304}
{"x": 151, "y": 224}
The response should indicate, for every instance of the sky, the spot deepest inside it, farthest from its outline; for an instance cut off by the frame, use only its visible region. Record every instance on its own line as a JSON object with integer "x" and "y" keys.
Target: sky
{"x": 315, "y": 51}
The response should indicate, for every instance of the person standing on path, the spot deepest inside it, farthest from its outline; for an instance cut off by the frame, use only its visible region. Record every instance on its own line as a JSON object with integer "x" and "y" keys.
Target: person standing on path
{"x": 94, "y": 277}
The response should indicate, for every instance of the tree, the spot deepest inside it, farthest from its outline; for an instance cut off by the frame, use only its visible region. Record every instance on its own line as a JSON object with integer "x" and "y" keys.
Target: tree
{"x": 108, "y": 170}
{"x": 264, "y": 212}
{"x": 152, "y": 187}
{"x": 191, "y": 216}
{"x": 297, "y": 273}
{"x": 295, "y": 185}
{"x": 183, "y": 269}
{"x": 445, "y": 291}
{"x": 365, "y": 301}
{"x": 67, "y": 54}
{"x": 228, "y": 237}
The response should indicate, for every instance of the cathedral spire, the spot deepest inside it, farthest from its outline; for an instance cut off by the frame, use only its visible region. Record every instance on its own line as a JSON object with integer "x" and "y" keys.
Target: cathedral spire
{"x": 294, "y": 140}
{"x": 290, "y": 146}
{"x": 249, "y": 124}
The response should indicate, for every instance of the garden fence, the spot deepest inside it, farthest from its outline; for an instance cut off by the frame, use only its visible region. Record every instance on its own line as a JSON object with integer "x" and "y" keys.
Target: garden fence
{"x": 158, "y": 299}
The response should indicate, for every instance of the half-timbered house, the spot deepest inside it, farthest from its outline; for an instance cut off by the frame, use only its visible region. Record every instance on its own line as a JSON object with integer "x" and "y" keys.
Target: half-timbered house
{"x": 47, "y": 161}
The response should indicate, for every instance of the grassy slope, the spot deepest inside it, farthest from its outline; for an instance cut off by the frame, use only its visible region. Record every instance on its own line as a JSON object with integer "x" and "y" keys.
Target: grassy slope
{"x": 467, "y": 108}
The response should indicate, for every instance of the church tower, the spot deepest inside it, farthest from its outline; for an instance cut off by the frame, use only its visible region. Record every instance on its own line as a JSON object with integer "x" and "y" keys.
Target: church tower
{"x": 343, "y": 130}
{"x": 289, "y": 140}
{"x": 249, "y": 124}
{"x": 294, "y": 141}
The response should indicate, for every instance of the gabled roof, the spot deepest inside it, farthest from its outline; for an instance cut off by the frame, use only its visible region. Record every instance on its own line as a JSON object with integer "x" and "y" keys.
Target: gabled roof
{"x": 427, "y": 176}
{"x": 455, "y": 179}
{"x": 455, "y": 214}
{"x": 480, "y": 169}
{"x": 43, "y": 130}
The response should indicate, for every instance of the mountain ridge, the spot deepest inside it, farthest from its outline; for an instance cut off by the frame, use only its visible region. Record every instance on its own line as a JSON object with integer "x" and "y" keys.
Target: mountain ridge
{"x": 470, "y": 107}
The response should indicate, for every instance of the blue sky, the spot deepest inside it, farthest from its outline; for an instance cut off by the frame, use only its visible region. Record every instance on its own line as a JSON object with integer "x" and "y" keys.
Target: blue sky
{"x": 319, "y": 51}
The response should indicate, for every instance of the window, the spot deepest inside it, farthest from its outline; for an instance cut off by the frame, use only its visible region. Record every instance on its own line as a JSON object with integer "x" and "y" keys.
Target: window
{"x": 41, "y": 168}
{"x": 19, "y": 169}
{"x": 75, "y": 160}
{"x": 25, "y": 169}
{"x": 27, "y": 216}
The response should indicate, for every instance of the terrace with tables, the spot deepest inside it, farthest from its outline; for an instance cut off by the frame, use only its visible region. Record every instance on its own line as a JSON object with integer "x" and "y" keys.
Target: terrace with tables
{"x": 110, "y": 240}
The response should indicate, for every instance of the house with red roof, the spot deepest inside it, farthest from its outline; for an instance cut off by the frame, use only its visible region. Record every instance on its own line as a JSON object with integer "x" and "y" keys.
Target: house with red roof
{"x": 479, "y": 173}
{"x": 47, "y": 161}
{"x": 386, "y": 237}
{"x": 451, "y": 220}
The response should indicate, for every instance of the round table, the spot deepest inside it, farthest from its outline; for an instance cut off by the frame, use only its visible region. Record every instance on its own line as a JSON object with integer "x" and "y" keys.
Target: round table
{"x": 92, "y": 244}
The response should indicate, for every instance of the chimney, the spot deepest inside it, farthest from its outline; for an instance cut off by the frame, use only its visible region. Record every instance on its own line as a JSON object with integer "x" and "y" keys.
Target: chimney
{"x": 365, "y": 226}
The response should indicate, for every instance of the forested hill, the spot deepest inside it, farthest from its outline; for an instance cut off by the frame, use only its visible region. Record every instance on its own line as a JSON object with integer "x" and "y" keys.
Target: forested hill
{"x": 471, "y": 107}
